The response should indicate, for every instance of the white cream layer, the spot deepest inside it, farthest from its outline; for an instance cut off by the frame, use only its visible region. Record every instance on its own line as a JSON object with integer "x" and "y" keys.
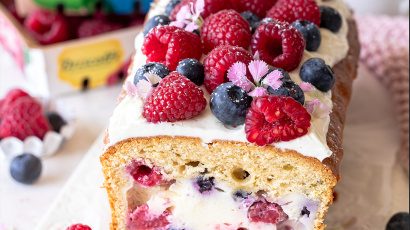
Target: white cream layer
{"x": 127, "y": 120}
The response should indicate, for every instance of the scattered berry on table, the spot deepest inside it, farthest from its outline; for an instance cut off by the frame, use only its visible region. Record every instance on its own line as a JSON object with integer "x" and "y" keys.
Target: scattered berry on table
{"x": 310, "y": 32}
{"x": 211, "y": 7}
{"x": 47, "y": 27}
{"x": 25, "y": 168}
{"x": 156, "y": 21}
{"x": 292, "y": 10}
{"x": 169, "y": 45}
{"x": 226, "y": 27}
{"x": 265, "y": 212}
{"x": 330, "y": 19}
{"x": 205, "y": 184}
{"x": 56, "y": 121}
{"x": 170, "y": 6}
{"x": 316, "y": 72}
{"x": 192, "y": 69}
{"x": 276, "y": 118}
{"x": 151, "y": 68}
{"x": 79, "y": 227}
{"x": 96, "y": 26}
{"x": 218, "y": 62}
{"x": 252, "y": 19}
{"x": 400, "y": 221}
{"x": 176, "y": 98}
{"x": 258, "y": 7}
{"x": 230, "y": 103}
{"x": 141, "y": 218}
{"x": 279, "y": 45}
{"x": 143, "y": 174}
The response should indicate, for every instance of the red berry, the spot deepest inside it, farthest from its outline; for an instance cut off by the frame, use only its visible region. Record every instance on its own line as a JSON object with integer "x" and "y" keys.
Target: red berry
{"x": 227, "y": 27}
{"x": 23, "y": 118}
{"x": 169, "y": 45}
{"x": 144, "y": 175}
{"x": 273, "y": 119}
{"x": 94, "y": 27}
{"x": 292, "y": 10}
{"x": 141, "y": 219}
{"x": 258, "y": 7}
{"x": 79, "y": 227}
{"x": 270, "y": 213}
{"x": 176, "y": 98}
{"x": 279, "y": 44}
{"x": 47, "y": 27}
{"x": 218, "y": 62}
{"x": 10, "y": 98}
{"x": 211, "y": 7}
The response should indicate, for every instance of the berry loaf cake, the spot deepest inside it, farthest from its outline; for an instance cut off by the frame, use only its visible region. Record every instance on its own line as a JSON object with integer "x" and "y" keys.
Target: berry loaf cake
{"x": 232, "y": 116}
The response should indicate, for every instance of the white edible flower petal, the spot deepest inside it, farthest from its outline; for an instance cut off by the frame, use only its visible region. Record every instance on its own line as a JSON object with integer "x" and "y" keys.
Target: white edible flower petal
{"x": 33, "y": 145}
{"x": 52, "y": 142}
{"x": 11, "y": 147}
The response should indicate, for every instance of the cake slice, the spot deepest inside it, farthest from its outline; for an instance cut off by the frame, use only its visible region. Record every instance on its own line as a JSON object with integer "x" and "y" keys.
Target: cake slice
{"x": 256, "y": 146}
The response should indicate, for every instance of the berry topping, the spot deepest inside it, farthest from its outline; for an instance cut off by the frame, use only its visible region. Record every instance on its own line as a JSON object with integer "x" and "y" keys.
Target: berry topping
{"x": 205, "y": 184}
{"x": 23, "y": 118}
{"x": 400, "y": 221}
{"x": 176, "y": 98}
{"x": 96, "y": 26}
{"x": 265, "y": 212}
{"x": 170, "y": 6}
{"x": 292, "y": 10}
{"x": 169, "y": 45}
{"x": 26, "y": 168}
{"x": 279, "y": 44}
{"x": 311, "y": 34}
{"x": 288, "y": 89}
{"x": 151, "y": 68}
{"x": 211, "y": 7}
{"x": 330, "y": 19}
{"x": 156, "y": 21}
{"x": 241, "y": 195}
{"x": 230, "y": 103}
{"x": 47, "y": 27}
{"x": 273, "y": 119}
{"x": 193, "y": 70}
{"x": 252, "y": 19}
{"x": 143, "y": 174}
{"x": 258, "y": 7}
{"x": 10, "y": 98}
{"x": 226, "y": 27}
{"x": 56, "y": 121}
{"x": 79, "y": 227}
{"x": 142, "y": 219}
{"x": 316, "y": 72}
{"x": 218, "y": 62}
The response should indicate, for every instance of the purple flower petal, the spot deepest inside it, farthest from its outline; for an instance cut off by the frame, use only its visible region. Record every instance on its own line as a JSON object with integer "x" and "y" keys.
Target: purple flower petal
{"x": 306, "y": 87}
{"x": 191, "y": 27}
{"x": 237, "y": 75}
{"x": 178, "y": 24}
{"x": 144, "y": 89}
{"x": 273, "y": 79}
{"x": 199, "y": 7}
{"x": 258, "y": 69}
{"x": 130, "y": 89}
{"x": 317, "y": 109}
{"x": 184, "y": 14}
{"x": 258, "y": 92}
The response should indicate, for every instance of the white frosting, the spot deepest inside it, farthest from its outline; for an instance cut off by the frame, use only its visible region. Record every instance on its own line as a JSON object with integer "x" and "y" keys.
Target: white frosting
{"x": 127, "y": 120}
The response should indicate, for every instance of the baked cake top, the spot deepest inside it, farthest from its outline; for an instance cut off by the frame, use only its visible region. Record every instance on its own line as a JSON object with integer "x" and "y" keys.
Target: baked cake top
{"x": 203, "y": 70}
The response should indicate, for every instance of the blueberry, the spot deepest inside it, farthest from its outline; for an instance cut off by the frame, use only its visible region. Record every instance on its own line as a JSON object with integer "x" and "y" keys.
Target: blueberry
{"x": 330, "y": 19}
{"x": 192, "y": 69}
{"x": 151, "y": 68}
{"x": 310, "y": 32}
{"x": 230, "y": 103}
{"x": 241, "y": 195}
{"x": 156, "y": 21}
{"x": 170, "y": 6}
{"x": 252, "y": 19}
{"x": 205, "y": 184}
{"x": 400, "y": 221}
{"x": 25, "y": 168}
{"x": 316, "y": 72}
{"x": 56, "y": 121}
{"x": 289, "y": 89}
{"x": 305, "y": 211}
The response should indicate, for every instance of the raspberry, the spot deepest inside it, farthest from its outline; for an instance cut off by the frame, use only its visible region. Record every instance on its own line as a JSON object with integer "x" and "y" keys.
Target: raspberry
{"x": 23, "y": 118}
{"x": 292, "y": 10}
{"x": 144, "y": 175}
{"x": 211, "y": 7}
{"x": 176, "y": 98}
{"x": 279, "y": 44}
{"x": 227, "y": 27}
{"x": 79, "y": 227}
{"x": 94, "y": 27}
{"x": 141, "y": 219}
{"x": 276, "y": 118}
{"x": 258, "y": 7}
{"x": 47, "y": 27}
{"x": 10, "y": 98}
{"x": 270, "y": 213}
{"x": 169, "y": 45}
{"x": 218, "y": 62}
